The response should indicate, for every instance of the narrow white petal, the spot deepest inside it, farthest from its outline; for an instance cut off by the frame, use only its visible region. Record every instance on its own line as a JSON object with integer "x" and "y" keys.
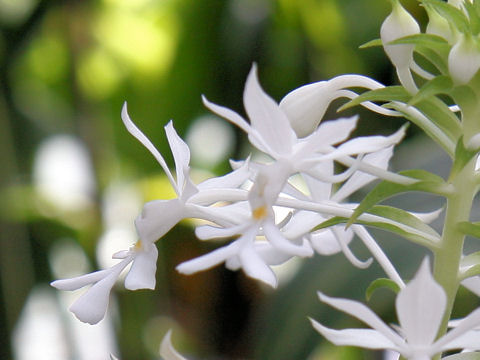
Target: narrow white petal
{"x": 79, "y": 281}
{"x": 255, "y": 267}
{"x": 320, "y": 190}
{"x": 228, "y": 114}
{"x": 269, "y": 254}
{"x": 365, "y": 338}
{"x": 461, "y": 336}
{"x": 278, "y": 241}
{"x": 328, "y": 133}
{"x": 343, "y": 238}
{"x": 379, "y": 159}
{"x": 469, "y": 340}
{"x": 167, "y": 351}
{"x": 325, "y": 242}
{"x": 143, "y": 270}
{"x": 420, "y": 307}
{"x": 233, "y": 179}
{"x": 135, "y": 131}
{"x": 366, "y": 144}
{"x": 266, "y": 117}
{"x": 181, "y": 154}
{"x": 206, "y": 232}
{"x": 209, "y": 260}
{"x": 364, "y": 314}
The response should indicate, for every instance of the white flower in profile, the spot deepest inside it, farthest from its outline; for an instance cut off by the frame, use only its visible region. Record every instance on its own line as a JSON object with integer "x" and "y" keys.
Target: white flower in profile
{"x": 397, "y": 25}
{"x": 420, "y": 309}
{"x": 92, "y": 305}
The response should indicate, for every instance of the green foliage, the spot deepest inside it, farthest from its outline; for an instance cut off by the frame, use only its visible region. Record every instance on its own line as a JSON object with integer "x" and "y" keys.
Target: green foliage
{"x": 394, "y": 220}
{"x": 462, "y": 157}
{"x": 427, "y": 182}
{"x": 381, "y": 283}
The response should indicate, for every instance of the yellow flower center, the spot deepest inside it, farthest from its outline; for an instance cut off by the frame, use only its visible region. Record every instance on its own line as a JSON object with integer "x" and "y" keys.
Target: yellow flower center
{"x": 260, "y": 212}
{"x": 138, "y": 244}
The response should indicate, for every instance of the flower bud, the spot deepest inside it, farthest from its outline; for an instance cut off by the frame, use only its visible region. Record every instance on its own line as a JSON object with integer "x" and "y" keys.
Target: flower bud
{"x": 464, "y": 60}
{"x": 397, "y": 25}
{"x": 438, "y": 25}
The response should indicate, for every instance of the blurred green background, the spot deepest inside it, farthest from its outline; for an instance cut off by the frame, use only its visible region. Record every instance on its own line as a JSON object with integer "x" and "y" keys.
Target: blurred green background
{"x": 73, "y": 179}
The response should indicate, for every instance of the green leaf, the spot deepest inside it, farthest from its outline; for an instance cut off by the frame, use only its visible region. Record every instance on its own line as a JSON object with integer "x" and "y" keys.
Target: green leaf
{"x": 387, "y": 94}
{"x": 441, "y": 84}
{"x": 428, "y": 40}
{"x": 438, "y": 56}
{"x": 394, "y": 220}
{"x": 371, "y": 43}
{"x": 444, "y": 139}
{"x": 474, "y": 16}
{"x": 381, "y": 283}
{"x": 453, "y": 15}
{"x": 428, "y": 182}
{"x": 470, "y": 228}
{"x": 462, "y": 157}
{"x": 439, "y": 113}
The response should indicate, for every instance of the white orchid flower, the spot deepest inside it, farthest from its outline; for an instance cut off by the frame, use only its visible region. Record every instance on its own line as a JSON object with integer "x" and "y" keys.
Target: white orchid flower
{"x": 92, "y": 305}
{"x": 159, "y": 216}
{"x": 270, "y": 130}
{"x": 254, "y": 257}
{"x": 420, "y": 309}
{"x": 306, "y": 105}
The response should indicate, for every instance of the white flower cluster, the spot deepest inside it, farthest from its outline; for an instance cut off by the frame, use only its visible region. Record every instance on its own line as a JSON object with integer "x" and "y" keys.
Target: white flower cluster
{"x": 252, "y": 191}
{"x": 299, "y": 178}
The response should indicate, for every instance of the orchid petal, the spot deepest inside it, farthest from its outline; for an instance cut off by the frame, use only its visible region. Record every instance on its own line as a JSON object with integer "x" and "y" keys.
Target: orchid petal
{"x": 379, "y": 159}
{"x": 228, "y": 114}
{"x": 144, "y": 267}
{"x": 167, "y": 351}
{"x": 365, "y": 338}
{"x": 420, "y": 307}
{"x": 158, "y": 217}
{"x": 320, "y": 190}
{"x": 209, "y": 260}
{"x": 343, "y": 239}
{"x": 266, "y": 117}
{"x": 325, "y": 242}
{"x": 364, "y": 314}
{"x": 366, "y": 144}
{"x": 328, "y": 133}
{"x": 278, "y": 241}
{"x": 232, "y": 180}
{"x": 181, "y": 154}
{"x": 255, "y": 267}
{"x": 79, "y": 281}
{"x": 92, "y": 305}
{"x": 206, "y": 232}
{"x": 306, "y": 105}
{"x": 135, "y": 131}
{"x": 460, "y": 335}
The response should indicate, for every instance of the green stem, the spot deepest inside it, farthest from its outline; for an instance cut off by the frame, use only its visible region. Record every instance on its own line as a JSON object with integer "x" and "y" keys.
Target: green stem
{"x": 449, "y": 254}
